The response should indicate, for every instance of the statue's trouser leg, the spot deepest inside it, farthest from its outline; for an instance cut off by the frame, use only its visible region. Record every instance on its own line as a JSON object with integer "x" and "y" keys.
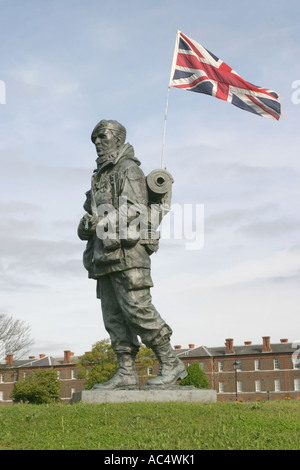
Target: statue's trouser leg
{"x": 123, "y": 339}
{"x": 124, "y": 342}
{"x": 126, "y": 314}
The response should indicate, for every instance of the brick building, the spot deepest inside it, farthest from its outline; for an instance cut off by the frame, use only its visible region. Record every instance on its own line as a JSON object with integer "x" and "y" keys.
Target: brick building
{"x": 249, "y": 372}
{"x": 14, "y": 370}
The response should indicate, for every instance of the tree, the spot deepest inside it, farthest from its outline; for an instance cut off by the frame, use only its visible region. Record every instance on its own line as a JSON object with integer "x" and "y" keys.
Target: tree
{"x": 145, "y": 358}
{"x": 99, "y": 365}
{"x": 14, "y": 336}
{"x": 196, "y": 376}
{"x": 39, "y": 387}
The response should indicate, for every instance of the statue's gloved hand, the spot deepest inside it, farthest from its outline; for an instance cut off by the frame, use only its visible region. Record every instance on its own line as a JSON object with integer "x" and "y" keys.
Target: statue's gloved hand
{"x": 92, "y": 222}
{"x": 87, "y": 226}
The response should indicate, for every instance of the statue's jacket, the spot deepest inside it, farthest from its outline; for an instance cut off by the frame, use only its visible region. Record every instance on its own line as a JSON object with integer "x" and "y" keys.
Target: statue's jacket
{"x": 120, "y": 179}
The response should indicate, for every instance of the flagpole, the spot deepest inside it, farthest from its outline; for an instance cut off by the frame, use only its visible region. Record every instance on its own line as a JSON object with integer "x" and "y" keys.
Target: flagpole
{"x": 167, "y": 100}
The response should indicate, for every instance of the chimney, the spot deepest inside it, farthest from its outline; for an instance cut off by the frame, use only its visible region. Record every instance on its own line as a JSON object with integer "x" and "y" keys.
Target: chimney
{"x": 41, "y": 356}
{"x": 285, "y": 340}
{"x": 67, "y": 357}
{"x": 229, "y": 346}
{"x": 177, "y": 346}
{"x": 247, "y": 343}
{"x": 191, "y": 346}
{"x": 9, "y": 360}
{"x": 266, "y": 344}
{"x": 31, "y": 357}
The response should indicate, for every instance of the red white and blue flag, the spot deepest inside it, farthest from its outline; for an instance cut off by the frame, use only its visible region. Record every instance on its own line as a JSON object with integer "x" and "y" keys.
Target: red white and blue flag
{"x": 196, "y": 69}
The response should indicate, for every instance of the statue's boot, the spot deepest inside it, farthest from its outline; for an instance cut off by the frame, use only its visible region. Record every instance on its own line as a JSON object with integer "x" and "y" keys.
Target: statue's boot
{"x": 125, "y": 376}
{"x": 171, "y": 368}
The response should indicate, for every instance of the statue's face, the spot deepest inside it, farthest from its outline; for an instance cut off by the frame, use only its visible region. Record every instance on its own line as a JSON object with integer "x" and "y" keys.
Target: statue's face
{"x": 105, "y": 142}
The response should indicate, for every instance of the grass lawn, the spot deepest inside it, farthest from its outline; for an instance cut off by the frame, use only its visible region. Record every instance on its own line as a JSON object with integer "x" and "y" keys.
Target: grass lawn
{"x": 152, "y": 426}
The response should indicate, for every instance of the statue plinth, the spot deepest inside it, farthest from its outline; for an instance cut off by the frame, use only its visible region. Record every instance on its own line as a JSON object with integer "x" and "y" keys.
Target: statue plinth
{"x": 146, "y": 394}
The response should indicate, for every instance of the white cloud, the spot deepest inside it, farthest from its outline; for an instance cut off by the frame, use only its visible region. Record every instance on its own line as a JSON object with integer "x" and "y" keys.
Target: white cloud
{"x": 282, "y": 264}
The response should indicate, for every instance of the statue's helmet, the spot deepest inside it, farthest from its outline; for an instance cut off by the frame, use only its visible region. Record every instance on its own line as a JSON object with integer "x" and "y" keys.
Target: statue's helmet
{"x": 114, "y": 126}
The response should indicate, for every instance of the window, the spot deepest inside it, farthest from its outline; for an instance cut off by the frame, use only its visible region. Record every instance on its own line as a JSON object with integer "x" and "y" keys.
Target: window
{"x": 1, "y": 396}
{"x": 277, "y": 385}
{"x": 73, "y": 390}
{"x": 239, "y": 386}
{"x": 257, "y": 364}
{"x": 25, "y": 374}
{"x": 297, "y": 385}
{"x": 201, "y": 364}
{"x": 150, "y": 371}
{"x": 238, "y": 364}
{"x": 2, "y": 379}
{"x": 15, "y": 376}
{"x": 221, "y": 366}
{"x": 221, "y": 387}
{"x": 276, "y": 363}
{"x": 258, "y": 385}
{"x": 59, "y": 374}
{"x": 73, "y": 374}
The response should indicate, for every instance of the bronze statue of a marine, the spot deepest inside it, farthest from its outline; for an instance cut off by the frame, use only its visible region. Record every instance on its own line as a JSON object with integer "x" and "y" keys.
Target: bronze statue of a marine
{"x": 119, "y": 227}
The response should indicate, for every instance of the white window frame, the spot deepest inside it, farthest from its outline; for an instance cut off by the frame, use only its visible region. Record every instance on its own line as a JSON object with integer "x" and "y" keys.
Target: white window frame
{"x": 276, "y": 363}
{"x": 239, "y": 386}
{"x": 257, "y": 364}
{"x": 276, "y": 385}
{"x": 220, "y": 366}
{"x": 297, "y": 385}
{"x": 221, "y": 386}
{"x": 258, "y": 385}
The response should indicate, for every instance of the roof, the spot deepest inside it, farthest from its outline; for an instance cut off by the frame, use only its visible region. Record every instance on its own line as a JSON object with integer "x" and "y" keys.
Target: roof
{"x": 251, "y": 349}
{"x": 59, "y": 361}
{"x": 201, "y": 351}
{"x": 40, "y": 362}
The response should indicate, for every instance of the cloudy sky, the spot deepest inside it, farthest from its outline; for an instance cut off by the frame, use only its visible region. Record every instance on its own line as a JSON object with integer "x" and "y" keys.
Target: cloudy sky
{"x": 67, "y": 64}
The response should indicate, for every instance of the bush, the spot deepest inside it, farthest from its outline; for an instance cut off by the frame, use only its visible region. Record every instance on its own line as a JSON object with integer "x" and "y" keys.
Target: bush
{"x": 196, "y": 376}
{"x": 39, "y": 387}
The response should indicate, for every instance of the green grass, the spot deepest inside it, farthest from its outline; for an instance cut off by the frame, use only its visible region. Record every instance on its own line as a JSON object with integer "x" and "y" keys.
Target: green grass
{"x": 152, "y": 426}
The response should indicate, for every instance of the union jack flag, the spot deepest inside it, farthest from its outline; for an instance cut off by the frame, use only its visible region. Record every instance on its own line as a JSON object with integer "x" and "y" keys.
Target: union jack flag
{"x": 196, "y": 69}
